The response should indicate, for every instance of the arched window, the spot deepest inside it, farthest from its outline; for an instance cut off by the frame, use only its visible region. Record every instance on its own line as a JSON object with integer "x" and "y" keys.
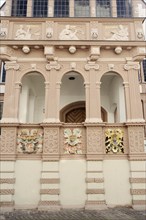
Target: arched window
{"x": 124, "y": 8}
{"x": 19, "y": 8}
{"x": 103, "y": 8}
{"x": 81, "y": 8}
{"x": 61, "y": 8}
{"x": 40, "y": 8}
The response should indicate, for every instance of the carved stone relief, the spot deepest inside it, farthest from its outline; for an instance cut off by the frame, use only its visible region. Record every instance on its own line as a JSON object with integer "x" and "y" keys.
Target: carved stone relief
{"x": 72, "y": 32}
{"x": 49, "y": 29}
{"x": 115, "y": 32}
{"x": 4, "y": 29}
{"x": 51, "y": 141}
{"x": 27, "y": 32}
{"x": 29, "y": 141}
{"x": 136, "y": 139}
{"x": 72, "y": 141}
{"x": 114, "y": 140}
{"x": 94, "y": 140}
{"x": 8, "y": 140}
{"x": 132, "y": 65}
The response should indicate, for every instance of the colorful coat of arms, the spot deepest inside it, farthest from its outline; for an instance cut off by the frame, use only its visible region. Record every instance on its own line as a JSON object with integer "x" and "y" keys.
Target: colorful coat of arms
{"x": 72, "y": 141}
{"x": 30, "y": 141}
{"x": 114, "y": 141}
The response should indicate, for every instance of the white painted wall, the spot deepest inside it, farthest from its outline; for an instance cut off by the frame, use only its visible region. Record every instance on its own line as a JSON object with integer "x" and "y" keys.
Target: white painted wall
{"x": 72, "y": 183}
{"x": 117, "y": 186}
{"x": 27, "y": 186}
{"x": 71, "y": 90}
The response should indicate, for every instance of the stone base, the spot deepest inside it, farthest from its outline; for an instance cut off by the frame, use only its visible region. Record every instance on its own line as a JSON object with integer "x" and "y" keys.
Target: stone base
{"x": 139, "y": 207}
{"x": 95, "y": 205}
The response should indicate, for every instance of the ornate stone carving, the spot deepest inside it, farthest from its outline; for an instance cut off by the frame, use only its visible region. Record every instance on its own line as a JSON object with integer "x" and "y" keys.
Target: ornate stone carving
{"x": 53, "y": 65}
{"x": 8, "y": 140}
{"x": 114, "y": 140}
{"x": 4, "y": 28}
{"x": 26, "y": 49}
{"x": 29, "y": 141}
{"x": 94, "y": 140}
{"x": 91, "y": 65}
{"x": 49, "y": 29}
{"x": 51, "y": 141}
{"x": 118, "y": 50}
{"x": 68, "y": 33}
{"x": 132, "y": 65}
{"x": 11, "y": 65}
{"x": 27, "y": 32}
{"x": 94, "y": 33}
{"x": 136, "y": 139}
{"x": 72, "y": 49}
{"x": 73, "y": 65}
{"x": 72, "y": 141}
{"x": 119, "y": 32}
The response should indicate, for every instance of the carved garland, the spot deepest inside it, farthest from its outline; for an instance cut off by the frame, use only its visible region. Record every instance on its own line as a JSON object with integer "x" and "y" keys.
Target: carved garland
{"x": 114, "y": 141}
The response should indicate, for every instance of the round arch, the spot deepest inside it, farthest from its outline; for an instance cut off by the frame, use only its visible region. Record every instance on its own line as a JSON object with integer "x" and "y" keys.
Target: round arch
{"x": 114, "y": 72}
{"x": 30, "y": 71}
{"x": 69, "y": 70}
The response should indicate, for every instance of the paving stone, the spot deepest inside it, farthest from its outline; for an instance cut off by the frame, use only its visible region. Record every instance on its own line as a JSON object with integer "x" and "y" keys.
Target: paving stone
{"x": 119, "y": 213}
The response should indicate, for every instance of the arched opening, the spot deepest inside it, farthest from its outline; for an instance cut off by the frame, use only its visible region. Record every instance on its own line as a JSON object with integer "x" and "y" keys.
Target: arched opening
{"x": 112, "y": 97}
{"x": 72, "y": 98}
{"x": 75, "y": 113}
{"x": 32, "y": 98}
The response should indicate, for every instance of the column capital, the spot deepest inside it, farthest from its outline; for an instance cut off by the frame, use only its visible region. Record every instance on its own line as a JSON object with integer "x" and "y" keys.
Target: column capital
{"x": 11, "y": 65}
{"x": 131, "y": 65}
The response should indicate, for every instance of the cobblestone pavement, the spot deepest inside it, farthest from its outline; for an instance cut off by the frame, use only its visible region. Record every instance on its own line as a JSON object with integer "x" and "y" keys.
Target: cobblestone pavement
{"x": 120, "y": 213}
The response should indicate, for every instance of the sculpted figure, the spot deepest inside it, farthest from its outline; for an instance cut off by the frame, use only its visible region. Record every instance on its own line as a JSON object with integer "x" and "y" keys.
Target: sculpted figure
{"x": 119, "y": 34}
{"x": 69, "y": 33}
{"x": 22, "y": 34}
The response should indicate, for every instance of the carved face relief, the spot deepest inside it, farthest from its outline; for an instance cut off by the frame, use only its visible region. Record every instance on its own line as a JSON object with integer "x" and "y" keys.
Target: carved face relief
{"x": 114, "y": 141}
{"x": 72, "y": 141}
{"x": 29, "y": 141}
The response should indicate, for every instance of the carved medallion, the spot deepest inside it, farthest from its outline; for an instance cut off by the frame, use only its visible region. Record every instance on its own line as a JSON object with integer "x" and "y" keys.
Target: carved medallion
{"x": 72, "y": 141}
{"x": 29, "y": 141}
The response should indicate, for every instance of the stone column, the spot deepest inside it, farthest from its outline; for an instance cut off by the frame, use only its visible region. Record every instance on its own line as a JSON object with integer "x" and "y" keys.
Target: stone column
{"x": 17, "y": 98}
{"x": 10, "y": 110}
{"x": 30, "y": 8}
{"x": 46, "y": 100}
{"x": 93, "y": 8}
{"x": 50, "y": 8}
{"x": 8, "y": 8}
{"x": 114, "y": 8}
{"x": 58, "y": 85}
{"x": 134, "y": 92}
{"x": 71, "y": 8}
{"x": 87, "y": 87}
{"x": 127, "y": 101}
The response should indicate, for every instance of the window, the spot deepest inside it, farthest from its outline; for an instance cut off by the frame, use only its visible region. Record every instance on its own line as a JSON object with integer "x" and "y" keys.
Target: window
{"x": 40, "y": 8}
{"x": 103, "y": 8}
{"x": 61, "y": 8}
{"x": 2, "y": 73}
{"x": 19, "y": 8}
{"x": 124, "y": 8}
{"x": 82, "y": 8}
{"x": 144, "y": 69}
{"x": 1, "y": 109}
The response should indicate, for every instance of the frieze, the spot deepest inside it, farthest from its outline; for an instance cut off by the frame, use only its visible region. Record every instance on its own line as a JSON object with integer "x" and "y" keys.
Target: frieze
{"x": 12, "y": 65}
{"x": 49, "y": 29}
{"x": 71, "y": 32}
{"x": 72, "y": 141}
{"x": 114, "y": 140}
{"x": 116, "y": 32}
{"x": 136, "y": 139}
{"x": 27, "y": 32}
{"x": 29, "y": 141}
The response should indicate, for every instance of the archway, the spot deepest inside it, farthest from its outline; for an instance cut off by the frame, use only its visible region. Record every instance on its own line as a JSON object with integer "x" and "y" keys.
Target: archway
{"x": 32, "y": 98}
{"x": 112, "y": 97}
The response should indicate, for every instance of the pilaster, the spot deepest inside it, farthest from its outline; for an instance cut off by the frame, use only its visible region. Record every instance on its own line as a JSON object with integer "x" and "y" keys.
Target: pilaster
{"x": 8, "y": 8}
{"x": 29, "y": 8}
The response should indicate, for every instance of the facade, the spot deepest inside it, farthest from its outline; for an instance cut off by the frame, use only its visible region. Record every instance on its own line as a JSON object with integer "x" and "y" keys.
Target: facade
{"x": 73, "y": 104}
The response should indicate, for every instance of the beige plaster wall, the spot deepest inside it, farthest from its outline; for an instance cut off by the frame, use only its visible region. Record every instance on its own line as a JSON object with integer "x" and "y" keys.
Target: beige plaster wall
{"x": 117, "y": 187}
{"x": 72, "y": 183}
{"x": 27, "y": 186}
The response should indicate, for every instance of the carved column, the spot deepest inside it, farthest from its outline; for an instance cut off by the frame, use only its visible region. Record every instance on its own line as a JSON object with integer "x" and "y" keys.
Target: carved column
{"x": 11, "y": 99}
{"x": 135, "y": 100}
{"x": 30, "y": 8}
{"x": 8, "y": 8}
{"x": 127, "y": 101}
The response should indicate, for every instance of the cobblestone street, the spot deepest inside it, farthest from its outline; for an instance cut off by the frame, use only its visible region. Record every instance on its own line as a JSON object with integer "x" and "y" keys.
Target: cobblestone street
{"x": 120, "y": 213}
